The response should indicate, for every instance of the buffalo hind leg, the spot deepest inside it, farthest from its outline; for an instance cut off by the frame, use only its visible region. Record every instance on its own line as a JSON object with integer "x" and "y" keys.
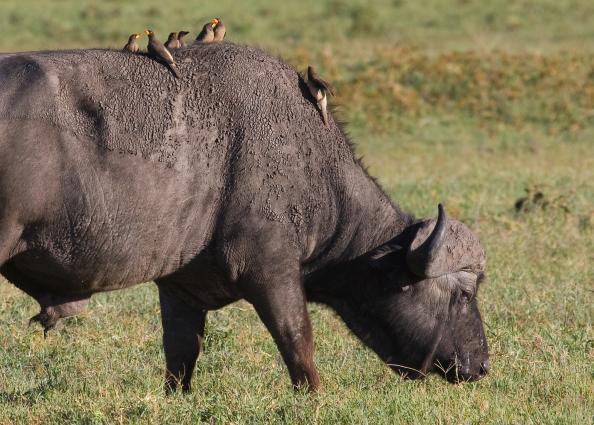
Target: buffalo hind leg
{"x": 10, "y": 233}
{"x": 279, "y": 300}
{"x": 183, "y": 333}
{"x": 53, "y": 306}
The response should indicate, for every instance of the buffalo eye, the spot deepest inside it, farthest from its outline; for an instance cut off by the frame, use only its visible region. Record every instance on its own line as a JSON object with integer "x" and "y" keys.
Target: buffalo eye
{"x": 466, "y": 297}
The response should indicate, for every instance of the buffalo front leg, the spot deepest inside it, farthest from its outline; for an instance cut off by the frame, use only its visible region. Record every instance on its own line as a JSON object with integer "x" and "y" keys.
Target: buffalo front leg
{"x": 279, "y": 300}
{"x": 183, "y": 333}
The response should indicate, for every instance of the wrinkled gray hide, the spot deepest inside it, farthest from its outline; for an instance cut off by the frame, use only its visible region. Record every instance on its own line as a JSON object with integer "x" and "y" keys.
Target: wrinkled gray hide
{"x": 220, "y": 186}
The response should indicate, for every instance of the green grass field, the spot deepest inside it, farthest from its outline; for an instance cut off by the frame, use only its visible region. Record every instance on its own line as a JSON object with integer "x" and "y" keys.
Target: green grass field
{"x": 476, "y": 104}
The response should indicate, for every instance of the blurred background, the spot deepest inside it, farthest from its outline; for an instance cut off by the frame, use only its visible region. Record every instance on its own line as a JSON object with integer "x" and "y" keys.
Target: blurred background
{"x": 437, "y": 24}
{"x": 522, "y": 63}
{"x": 485, "y": 106}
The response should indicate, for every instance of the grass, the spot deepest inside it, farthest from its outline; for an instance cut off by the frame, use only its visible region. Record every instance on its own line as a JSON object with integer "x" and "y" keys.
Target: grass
{"x": 474, "y": 104}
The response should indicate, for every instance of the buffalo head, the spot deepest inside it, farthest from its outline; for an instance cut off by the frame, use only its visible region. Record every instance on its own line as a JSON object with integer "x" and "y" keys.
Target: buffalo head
{"x": 413, "y": 301}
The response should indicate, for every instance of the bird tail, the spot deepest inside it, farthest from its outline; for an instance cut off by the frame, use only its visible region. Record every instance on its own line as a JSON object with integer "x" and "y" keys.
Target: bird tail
{"x": 174, "y": 70}
{"x": 323, "y": 108}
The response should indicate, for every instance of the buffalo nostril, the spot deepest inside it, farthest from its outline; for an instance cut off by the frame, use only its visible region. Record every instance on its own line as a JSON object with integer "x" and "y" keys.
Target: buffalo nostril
{"x": 485, "y": 367}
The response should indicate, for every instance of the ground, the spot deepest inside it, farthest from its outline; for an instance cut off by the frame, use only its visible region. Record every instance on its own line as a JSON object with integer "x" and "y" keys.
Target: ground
{"x": 487, "y": 107}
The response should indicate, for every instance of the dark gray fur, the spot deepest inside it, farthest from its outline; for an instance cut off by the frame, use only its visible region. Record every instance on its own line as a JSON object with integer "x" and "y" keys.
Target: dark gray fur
{"x": 222, "y": 185}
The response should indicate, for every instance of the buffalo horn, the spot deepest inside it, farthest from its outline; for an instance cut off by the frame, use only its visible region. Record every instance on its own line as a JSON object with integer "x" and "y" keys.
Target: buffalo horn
{"x": 421, "y": 259}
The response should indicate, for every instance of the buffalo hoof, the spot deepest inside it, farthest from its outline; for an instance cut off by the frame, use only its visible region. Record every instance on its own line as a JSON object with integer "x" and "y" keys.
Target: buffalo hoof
{"x": 46, "y": 319}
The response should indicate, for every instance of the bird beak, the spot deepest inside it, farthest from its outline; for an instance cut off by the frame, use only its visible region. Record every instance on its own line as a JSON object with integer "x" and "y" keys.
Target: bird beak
{"x": 214, "y": 22}
{"x": 147, "y": 32}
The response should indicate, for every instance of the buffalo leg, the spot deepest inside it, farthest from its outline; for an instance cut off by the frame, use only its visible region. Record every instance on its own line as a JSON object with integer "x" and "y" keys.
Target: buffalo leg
{"x": 183, "y": 333}
{"x": 53, "y": 306}
{"x": 10, "y": 232}
{"x": 279, "y": 300}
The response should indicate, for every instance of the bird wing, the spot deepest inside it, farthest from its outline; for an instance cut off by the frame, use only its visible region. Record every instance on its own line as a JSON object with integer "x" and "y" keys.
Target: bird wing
{"x": 166, "y": 54}
{"x": 201, "y": 35}
{"x": 174, "y": 70}
{"x": 325, "y": 85}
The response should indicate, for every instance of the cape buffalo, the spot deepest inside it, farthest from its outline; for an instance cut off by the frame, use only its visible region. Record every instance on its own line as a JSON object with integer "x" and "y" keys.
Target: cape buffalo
{"x": 222, "y": 185}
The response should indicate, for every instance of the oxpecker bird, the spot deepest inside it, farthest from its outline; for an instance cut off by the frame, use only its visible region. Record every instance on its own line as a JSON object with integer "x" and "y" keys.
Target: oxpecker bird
{"x": 207, "y": 33}
{"x": 180, "y": 38}
{"x": 319, "y": 89}
{"x": 172, "y": 41}
{"x": 157, "y": 50}
{"x": 131, "y": 45}
{"x": 219, "y": 30}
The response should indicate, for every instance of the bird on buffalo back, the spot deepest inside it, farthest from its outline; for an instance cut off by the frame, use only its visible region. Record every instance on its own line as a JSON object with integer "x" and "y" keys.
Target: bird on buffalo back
{"x": 207, "y": 33}
{"x": 157, "y": 50}
{"x": 319, "y": 89}
{"x": 131, "y": 45}
{"x": 180, "y": 38}
{"x": 219, "y": 30}
{"x": 172, "y": 41}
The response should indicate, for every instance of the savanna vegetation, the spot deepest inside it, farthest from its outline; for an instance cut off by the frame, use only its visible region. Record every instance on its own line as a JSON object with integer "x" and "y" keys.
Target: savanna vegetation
{"x": 485, "y": 106}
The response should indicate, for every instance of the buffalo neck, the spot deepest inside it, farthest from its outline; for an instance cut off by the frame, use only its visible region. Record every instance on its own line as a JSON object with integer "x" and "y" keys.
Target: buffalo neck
{"x": 366, "y": 219}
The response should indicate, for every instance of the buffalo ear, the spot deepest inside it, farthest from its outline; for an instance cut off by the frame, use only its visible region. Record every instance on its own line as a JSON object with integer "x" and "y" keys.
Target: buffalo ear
{"x": 387, "y": 257}
{"x": 390, "y": 261}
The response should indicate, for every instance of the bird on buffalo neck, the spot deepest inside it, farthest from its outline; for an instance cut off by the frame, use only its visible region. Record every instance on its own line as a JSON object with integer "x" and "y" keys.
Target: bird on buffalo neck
{"x": 180, "y": 38}
{"x": 157, "y": 50}
{"x": 219, "y": 30}
{"x": 207, "y": 33}
{"x": 319, "y": 89}
{"x": 172, "y": 41}
{"x": 131, "y": 45}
